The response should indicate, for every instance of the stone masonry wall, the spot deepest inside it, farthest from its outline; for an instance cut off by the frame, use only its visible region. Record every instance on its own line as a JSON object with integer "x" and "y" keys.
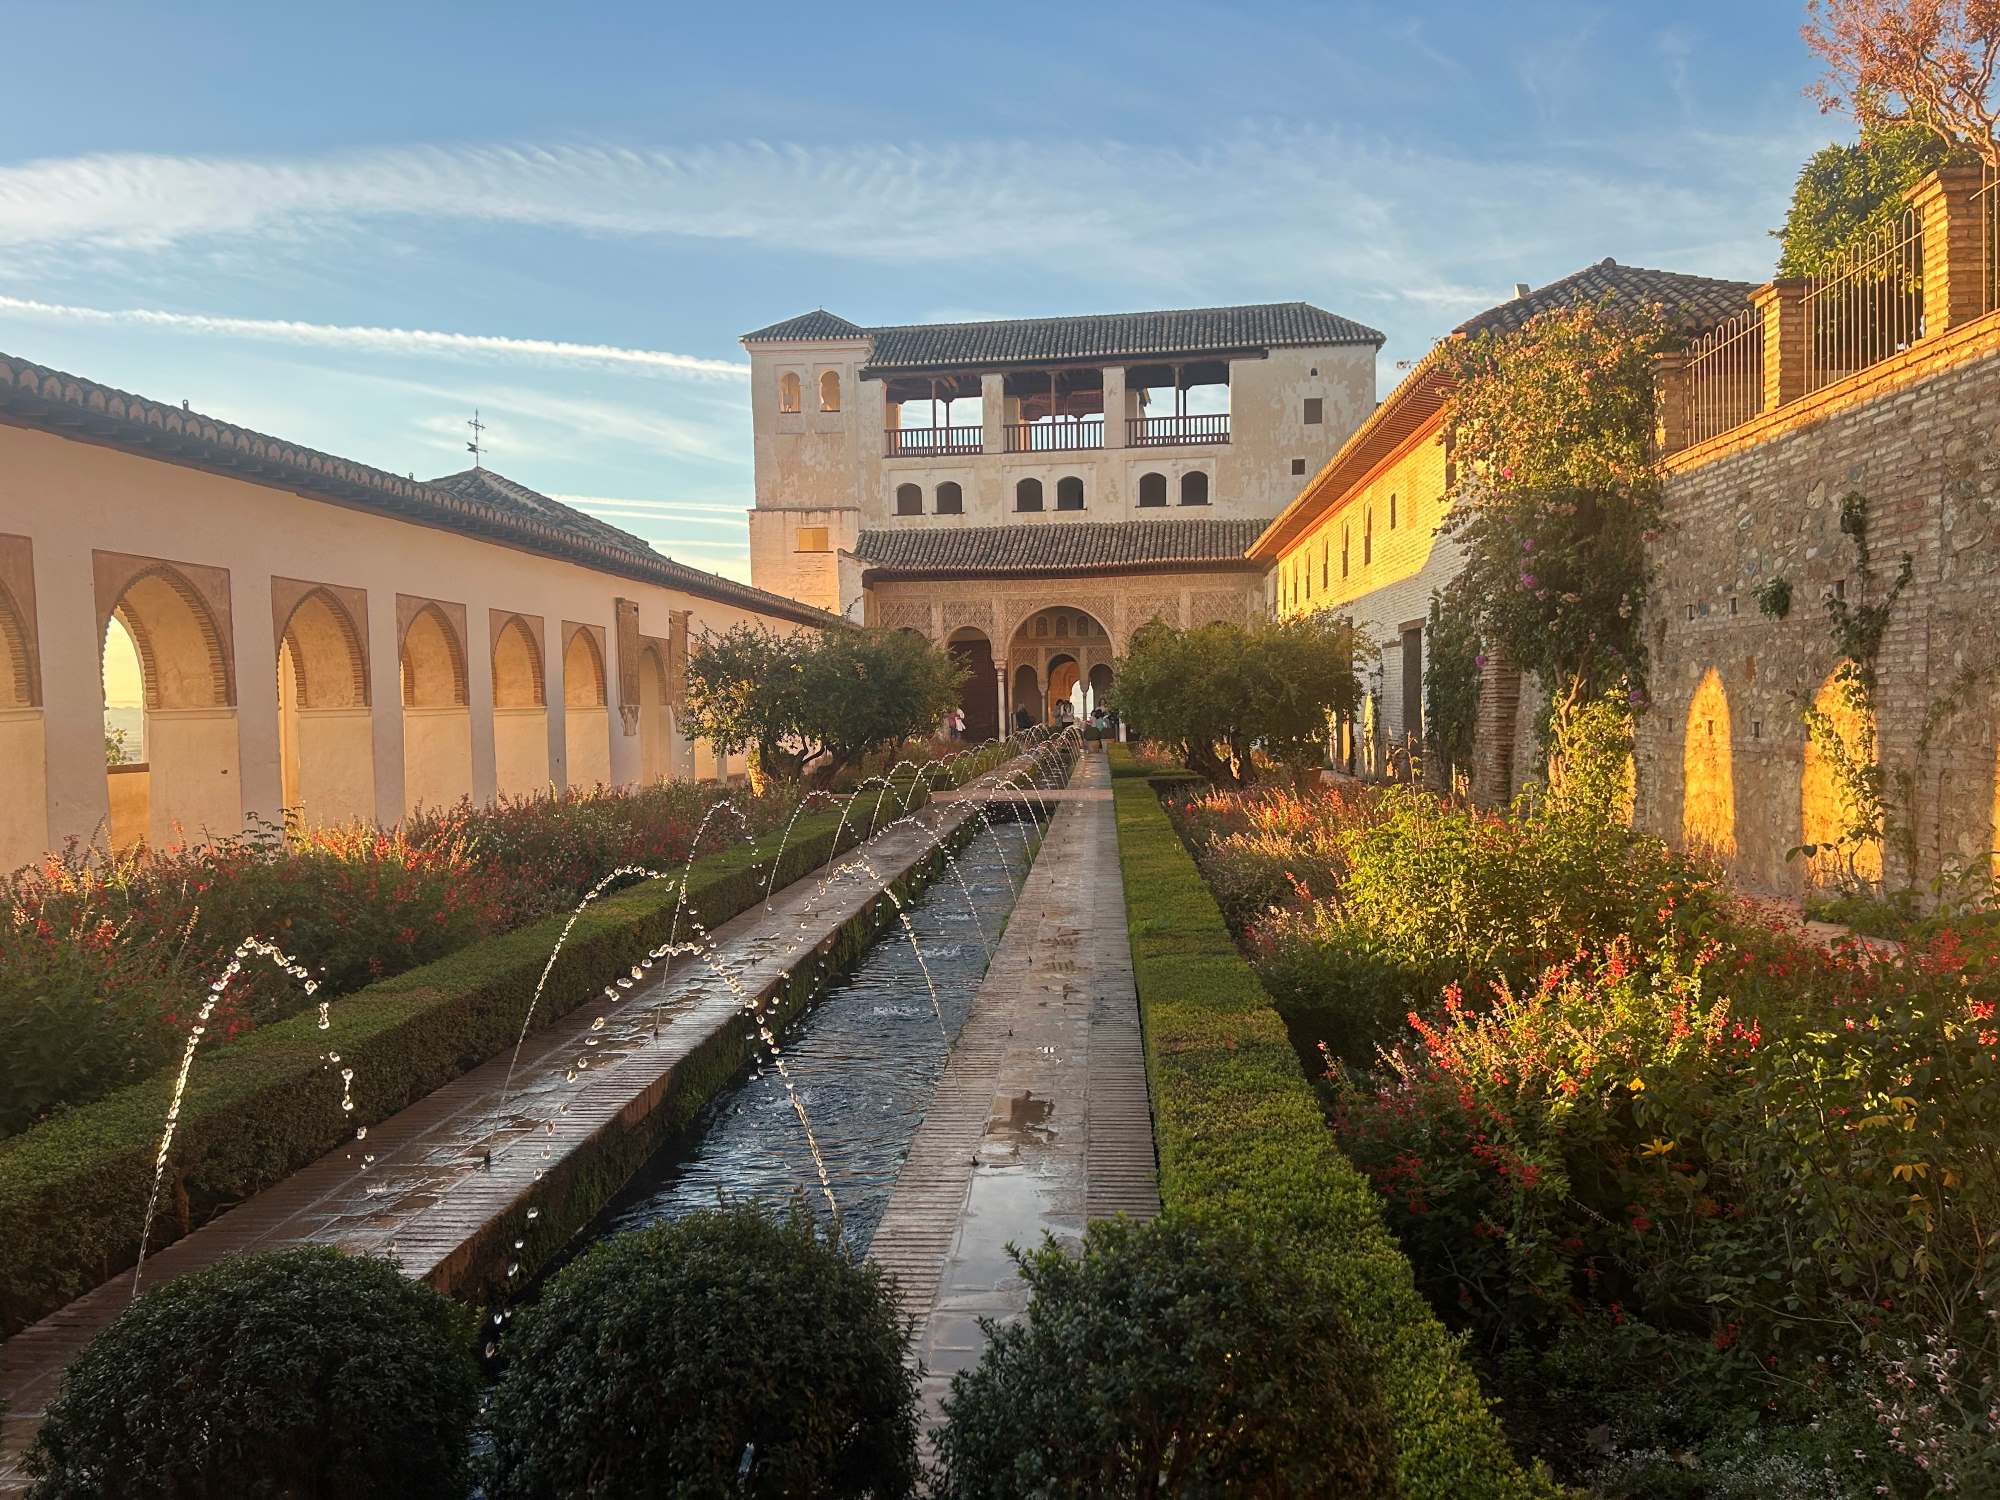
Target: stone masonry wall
{"x": 1916, "y": 436}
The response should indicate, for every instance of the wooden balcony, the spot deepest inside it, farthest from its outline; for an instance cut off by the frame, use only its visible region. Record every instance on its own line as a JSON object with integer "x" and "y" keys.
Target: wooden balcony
{"x": 1161, "y": 432}
{"x": 1055, "y": 437}
{"x": 933, "y": 442}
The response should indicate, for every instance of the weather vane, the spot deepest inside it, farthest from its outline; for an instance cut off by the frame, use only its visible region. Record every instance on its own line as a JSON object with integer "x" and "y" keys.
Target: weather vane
{"x": 473, "y": 447}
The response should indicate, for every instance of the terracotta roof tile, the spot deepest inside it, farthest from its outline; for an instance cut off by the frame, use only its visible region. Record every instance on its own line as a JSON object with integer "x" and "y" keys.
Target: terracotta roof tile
{"x": 1690, "y": 302}
{"x": 1059, "y": 547}
{"x": 818, "y": 324}
{"x": 1141, "y": 335}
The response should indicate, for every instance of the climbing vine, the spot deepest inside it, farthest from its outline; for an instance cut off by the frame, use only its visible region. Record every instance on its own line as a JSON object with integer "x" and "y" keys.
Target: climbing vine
{"x": 1451, "y": 685}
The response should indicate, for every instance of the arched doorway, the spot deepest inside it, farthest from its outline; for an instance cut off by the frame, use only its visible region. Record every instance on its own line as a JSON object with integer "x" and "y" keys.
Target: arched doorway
{"x": 1062, "y": 695}
{"x": 1708, "y": 783}
{"x": 1027, "y": 695}
{"x": 437, "y": 722}
{"x": 586, "y": 722}
{"x": 978, "y": 695}
{"x": 326, "y": 742}
{"x": 1840, "y": 742}
{"x": 186, "y": 787}
{"x": 520, "y": 709}
{"x": 1099, "y": 687}
{"x": 656, "y": 720}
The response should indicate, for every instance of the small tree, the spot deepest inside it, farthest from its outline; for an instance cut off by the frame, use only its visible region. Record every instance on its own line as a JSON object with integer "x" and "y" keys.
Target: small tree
{"x": 1845, "y": 191}
{"x": 1218, "y": 691}
{"x": 1926, "y": 62}
{"x": 1555, "y": 424}
{"x": 1451, "y": 681}
{"x": 815, "y": 702}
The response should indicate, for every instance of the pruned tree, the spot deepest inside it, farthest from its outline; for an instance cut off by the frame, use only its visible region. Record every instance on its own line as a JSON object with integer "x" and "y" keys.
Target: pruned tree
{"x": 1928, "y": 62}
{"x": 1217, "y": 692}
{"x": 1847, "y": 190}
{"x": 814, "y": 703}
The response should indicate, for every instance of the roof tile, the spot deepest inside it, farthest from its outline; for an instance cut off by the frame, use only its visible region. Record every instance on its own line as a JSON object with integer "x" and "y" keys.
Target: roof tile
{"x": 1691, "y": 302}
{"x": 1059, "y": 547}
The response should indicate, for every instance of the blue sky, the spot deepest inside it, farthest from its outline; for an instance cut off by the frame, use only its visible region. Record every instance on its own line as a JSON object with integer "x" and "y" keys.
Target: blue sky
{"x": 275, "y": 211}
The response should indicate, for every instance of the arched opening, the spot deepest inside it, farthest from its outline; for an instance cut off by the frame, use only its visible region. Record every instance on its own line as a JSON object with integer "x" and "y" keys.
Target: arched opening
{"x": 909, "y": 500}
{"x": 788, "y": 392}
{"x": 1840, "y": 743}
{"x": 520, "y": 711}
{"x": 1028, "y": 495}
{"x": 186, "y": 787}
{"x": 1708, "y": 786}
{"x": 437, "y": 725}
{"x": 978, "y": 694}
{"x": 1194, "y": 488}
{"x": 586, "y": 724}
{"x": 1097, "y": 690}
{"x": 1069, "y": 493}
{"x": 950, "y": 499}
{"x": 1027, "y": 697}
{"x": 24, "y": 829}
{"x": 326, "y": 742}
{"x": 1063, "y": 703}
{"x": 829, "y": 390}
{"x": 656, "y": 728}
{"x": 1152, "y": 490}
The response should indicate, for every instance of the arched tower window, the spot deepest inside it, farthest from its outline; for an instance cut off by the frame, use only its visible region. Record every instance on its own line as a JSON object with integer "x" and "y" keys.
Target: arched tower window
{"x": 950, "y": 499}
{"x": 909, "y": 500}
{"x": 1028, "y": 495}
{"x": 829, "y": 390}
{"x": 1152, "y": 489}
{"x": 1194, "y": 488}
{"x": 1069, "y": 493}
{"x": 788, "y": 391}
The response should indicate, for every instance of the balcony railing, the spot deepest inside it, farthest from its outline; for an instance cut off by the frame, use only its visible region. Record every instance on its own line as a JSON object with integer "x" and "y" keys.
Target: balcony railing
{"x": 928, "y": 442}
{"x": 1055, "y": 437}
{"x": 1725, "y": 376}
{"x": 1155, "y": 432}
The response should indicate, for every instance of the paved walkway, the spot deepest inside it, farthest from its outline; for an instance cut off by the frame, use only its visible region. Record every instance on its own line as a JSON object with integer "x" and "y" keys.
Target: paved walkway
{"x": 436, "y": 1184}
{"x": 1041, "y": 1121}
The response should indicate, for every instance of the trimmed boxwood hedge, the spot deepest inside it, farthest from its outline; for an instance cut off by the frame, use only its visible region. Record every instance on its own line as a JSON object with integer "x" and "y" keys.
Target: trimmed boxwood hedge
{"x": 1242, "y": 1141}
{"x": 73, "y": 1187}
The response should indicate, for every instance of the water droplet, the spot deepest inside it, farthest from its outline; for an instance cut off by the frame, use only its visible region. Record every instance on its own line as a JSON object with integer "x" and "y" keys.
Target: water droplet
{"x": 519, "y": 1243}
{"x": 534, "y": 1213}
{"x": 496, "y": 1319}
{"x": 598, "y": 1024}
{"x": 569, "y": 1076}
{"x": 624, "y": 984}
{"x": 361, "y": 1132}
{"x": 514, "y": 1269}
{"x": 492, "y": 1349}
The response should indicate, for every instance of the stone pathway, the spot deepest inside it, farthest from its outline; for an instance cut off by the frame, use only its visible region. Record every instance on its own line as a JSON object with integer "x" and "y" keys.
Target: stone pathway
{"x": 451, "y": 1172}
{"x": 1041, "y": 1121}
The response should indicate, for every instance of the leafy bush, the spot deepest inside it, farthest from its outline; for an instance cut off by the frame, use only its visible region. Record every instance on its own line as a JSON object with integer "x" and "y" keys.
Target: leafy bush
{"x": 1242, "y": 1141}
{"x": 1166, "y": 1361}
{"x": 305, "y": 1373}
{"x": 664, "y": 1360}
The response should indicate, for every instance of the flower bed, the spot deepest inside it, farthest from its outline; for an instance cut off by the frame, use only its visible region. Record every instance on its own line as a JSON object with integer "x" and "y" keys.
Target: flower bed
{"x": 1716, "y": 1204}
{"x": 1242, "y": 1141}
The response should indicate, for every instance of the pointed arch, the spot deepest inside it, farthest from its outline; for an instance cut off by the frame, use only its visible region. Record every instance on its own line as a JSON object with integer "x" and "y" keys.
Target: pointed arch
{"x": 183, "y": 661}
{"x": 583, "y": 669}
{"x": 323, "y": 641}
{"x": 518, "y": 678}
{"x": 1827, "y": 807}
{"x": 829, "y": 390}
{"x": 20, "y": 685}
{"x": 433, "y": 661}
{"x": 1708, "y": 782}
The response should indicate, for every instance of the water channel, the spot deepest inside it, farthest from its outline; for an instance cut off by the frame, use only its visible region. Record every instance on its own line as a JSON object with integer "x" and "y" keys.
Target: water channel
{"x": 866, "y": 1059}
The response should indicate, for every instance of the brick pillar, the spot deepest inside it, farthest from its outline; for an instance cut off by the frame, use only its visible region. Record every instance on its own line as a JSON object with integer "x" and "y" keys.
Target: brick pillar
{"x": 1781, "y": 305}
{"x": 1493, "y": 733}
{"x": 1950, "y": 211}
{"x": 1670, "y": 403}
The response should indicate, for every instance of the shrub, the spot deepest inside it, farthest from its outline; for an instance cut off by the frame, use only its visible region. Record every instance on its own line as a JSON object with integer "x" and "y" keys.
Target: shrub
{"x": 1166, "y": 1361}
{"x": 305, "y": 1373}
{"x": 664, "y": 1360}
{"x": 1242, "y": 1141}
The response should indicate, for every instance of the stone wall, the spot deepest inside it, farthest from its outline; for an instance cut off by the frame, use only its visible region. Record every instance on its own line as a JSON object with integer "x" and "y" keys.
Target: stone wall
{"x": 1915, "y": 435}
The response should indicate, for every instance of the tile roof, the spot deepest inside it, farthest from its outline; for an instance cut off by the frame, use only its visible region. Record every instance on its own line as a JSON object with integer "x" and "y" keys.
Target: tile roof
{"x": 1058, "y": 547}
{"x": 818, "y": 324}
{"x": 1194, "y": 330}
{"x": 1692, "y": 303}
{"x": 479, "y": 504}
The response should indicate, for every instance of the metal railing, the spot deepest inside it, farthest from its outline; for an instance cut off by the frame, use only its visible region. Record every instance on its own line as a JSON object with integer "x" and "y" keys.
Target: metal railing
{"x": 1725, "y": 375}
{"x": 926, "y": 442}
{"x": 1869, "y": 307}
{"x": 1055, "y": 437}
{"x": 1149, "y": 432}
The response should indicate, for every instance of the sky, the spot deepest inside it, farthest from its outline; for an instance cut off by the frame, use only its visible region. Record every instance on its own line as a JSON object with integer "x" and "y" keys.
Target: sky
{"x": 354, "y": 226}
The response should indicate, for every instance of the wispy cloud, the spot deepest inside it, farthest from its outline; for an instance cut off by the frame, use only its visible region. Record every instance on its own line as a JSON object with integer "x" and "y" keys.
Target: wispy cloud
{"x": 387, "y": 341}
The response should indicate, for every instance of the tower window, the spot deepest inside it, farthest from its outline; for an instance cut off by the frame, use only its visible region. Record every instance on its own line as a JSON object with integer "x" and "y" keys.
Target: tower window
{"x": 1298, "y": 466}
{"x": 1028, "y": 495}
{"x": 1069, "y": 493}
{"x": 1152, "y": 489}
{"x": 811, "y": 539}
{"x": 909, "y": 500}
{"x": 1314, "y": 405}
{"x": 788, "y": 391}
{"x": 1194, "y": 488}
{"x": 829, "y": 390}
{"x": 950, "y": 499}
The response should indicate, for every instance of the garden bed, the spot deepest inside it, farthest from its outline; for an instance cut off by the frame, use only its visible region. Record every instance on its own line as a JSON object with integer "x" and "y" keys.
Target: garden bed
{"x": 1242, "y": 1141}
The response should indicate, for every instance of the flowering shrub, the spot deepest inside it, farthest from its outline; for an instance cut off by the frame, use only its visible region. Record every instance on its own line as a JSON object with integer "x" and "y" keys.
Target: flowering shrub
{"x": 104, "y": 956}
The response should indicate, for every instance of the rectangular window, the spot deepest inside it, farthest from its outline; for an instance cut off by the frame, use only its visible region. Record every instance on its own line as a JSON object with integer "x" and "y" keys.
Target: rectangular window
{"x": 1313, "y": 405}
{"x": 1368, "y": 536}
{"x": 1298, "y": 466}
{"x": 1343, "y": 551}
{"x": 1325, "y": 547}
{"x": 811, "y": 539}
{"x": 1392, "y": 511}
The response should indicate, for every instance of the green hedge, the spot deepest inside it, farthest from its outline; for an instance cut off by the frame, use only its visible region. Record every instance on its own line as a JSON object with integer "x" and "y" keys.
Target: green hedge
{"x": 1242, "y": 1141}
{"x": 73, "y": 1188}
